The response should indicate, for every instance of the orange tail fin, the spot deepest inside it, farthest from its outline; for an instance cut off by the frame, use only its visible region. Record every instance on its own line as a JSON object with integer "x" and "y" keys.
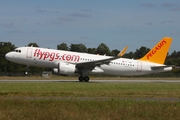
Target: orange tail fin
{"x": 159, "y": 52}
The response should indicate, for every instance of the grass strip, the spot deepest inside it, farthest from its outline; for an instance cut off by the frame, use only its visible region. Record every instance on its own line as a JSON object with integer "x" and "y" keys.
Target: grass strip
{"x": 76, "y": 89}
{"x": 96, "y": 110}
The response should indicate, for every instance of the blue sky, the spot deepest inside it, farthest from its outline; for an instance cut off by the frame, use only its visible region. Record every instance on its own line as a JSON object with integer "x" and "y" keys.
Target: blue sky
{"x": 116, "y": 23}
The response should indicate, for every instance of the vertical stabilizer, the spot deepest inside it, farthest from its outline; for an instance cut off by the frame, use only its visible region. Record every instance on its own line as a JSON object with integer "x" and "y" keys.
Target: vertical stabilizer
{"x": 159, "y": 52}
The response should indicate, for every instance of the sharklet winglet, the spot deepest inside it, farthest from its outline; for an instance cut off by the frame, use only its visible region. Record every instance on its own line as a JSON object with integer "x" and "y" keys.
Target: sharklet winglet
{"x": 122, "y": 52}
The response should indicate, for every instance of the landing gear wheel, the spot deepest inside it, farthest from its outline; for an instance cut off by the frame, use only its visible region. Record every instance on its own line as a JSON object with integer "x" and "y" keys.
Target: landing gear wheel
{"x": 86, "y": 79}
{"x": 81, "y": 78}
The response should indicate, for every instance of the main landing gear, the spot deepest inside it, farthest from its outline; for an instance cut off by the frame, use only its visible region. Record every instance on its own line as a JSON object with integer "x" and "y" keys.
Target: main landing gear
{"x": 85, "y": 79}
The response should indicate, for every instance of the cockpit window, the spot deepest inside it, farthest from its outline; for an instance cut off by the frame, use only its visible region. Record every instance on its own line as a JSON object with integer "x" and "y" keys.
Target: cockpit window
{"x": 19, "y": 51}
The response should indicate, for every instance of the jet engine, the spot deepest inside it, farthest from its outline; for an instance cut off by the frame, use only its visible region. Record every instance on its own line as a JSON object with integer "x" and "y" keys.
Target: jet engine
{"x": 65, "y": 69}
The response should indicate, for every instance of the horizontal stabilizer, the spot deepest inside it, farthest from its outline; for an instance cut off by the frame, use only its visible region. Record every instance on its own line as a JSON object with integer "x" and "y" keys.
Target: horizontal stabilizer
{"x": 161, "y": 67}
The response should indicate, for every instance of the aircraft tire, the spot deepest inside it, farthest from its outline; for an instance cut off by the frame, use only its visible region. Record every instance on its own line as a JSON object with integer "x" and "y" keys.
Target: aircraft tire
{"x": 86, "y": 79}
{"x": 81, "y": 78}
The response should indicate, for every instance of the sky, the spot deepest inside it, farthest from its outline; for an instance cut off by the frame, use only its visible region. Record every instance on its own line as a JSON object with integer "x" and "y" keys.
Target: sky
{"x": 117, "y": 23}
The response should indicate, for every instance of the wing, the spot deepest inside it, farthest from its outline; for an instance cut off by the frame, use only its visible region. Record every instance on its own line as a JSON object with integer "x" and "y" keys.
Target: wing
{"x": 92, "y": 64}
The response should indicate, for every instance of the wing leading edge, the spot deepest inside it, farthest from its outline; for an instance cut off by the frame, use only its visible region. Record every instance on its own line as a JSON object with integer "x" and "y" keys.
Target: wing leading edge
{"x": 92, "y": 64}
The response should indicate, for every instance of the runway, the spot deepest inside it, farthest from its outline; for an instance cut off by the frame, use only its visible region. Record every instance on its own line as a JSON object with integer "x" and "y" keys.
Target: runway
{"x": 98, "y": 81}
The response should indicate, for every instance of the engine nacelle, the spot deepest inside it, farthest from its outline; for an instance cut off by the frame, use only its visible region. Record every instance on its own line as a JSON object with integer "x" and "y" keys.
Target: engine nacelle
{"x": 65, "y": 69}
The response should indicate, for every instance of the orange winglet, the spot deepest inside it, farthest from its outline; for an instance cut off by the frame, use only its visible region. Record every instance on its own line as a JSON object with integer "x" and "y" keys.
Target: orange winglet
{"x": 122, "y": 52}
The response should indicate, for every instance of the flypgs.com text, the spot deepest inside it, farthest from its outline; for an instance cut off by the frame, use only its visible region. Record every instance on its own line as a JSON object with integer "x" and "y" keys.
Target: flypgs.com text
{"x": 51, "y": 56}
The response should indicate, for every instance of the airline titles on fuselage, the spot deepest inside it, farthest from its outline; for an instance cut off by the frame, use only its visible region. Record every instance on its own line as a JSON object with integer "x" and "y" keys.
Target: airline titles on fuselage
{"x": 51, "y": 56}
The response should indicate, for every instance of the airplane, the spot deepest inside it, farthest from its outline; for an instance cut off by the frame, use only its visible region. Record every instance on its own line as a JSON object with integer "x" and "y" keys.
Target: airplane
{"x": 73, "y": 63}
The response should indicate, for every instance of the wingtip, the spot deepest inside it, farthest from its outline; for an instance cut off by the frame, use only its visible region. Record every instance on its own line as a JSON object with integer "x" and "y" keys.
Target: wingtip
{"x": 122, "y": 52}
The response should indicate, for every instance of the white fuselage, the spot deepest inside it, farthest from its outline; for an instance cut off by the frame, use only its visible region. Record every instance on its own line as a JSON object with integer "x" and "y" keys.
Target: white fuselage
{"x": 34, "y": 56}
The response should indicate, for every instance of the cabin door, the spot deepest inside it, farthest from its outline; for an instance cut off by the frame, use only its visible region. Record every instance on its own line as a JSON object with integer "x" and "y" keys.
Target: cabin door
{"x": 139, "y": 66}
{"x": 29, "y": 53}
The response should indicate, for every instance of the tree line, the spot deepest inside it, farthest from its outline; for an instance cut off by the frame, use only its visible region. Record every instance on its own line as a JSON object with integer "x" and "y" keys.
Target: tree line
{"x": 10, "y": 68}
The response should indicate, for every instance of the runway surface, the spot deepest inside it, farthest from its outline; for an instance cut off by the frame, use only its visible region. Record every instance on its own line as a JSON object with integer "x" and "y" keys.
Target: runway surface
{"x": 99, "y": 81}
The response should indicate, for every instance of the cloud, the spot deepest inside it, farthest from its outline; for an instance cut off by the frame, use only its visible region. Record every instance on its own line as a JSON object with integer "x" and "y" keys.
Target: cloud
{"x": 80, "y": 15}
{"x": 14, "y": 31}
{"x": 70, "y": 18}
{"x": 148, "y": 5}
{"x": 86, "y": 10}
{"x": 65, "y": 19}
{"x": 32, "y": 32}
{"x": 175, "y": 32}
{"x": 176, "y": 9}
{"x": 7, "y": 25}
{"x": 172, "y": 6}
{"x": 83, "y": 37}
{"x": 169, "y": 5}
{"x": 61, "y": 20}
{"x": 38, "y": 9}
{"x": 135, "y": 31}
{"x": 149, "y": 23}
{"x": 166, "y": 22}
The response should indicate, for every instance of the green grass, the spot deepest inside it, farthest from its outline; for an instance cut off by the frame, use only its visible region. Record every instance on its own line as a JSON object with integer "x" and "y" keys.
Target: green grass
{"x": 88, "y": 110}
{"x": 38, "y": 100}
{"x": 77, "y": 89}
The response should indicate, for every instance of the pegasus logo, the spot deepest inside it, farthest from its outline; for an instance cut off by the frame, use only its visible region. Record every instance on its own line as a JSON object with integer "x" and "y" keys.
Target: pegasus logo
{"x": 156, "y": 49}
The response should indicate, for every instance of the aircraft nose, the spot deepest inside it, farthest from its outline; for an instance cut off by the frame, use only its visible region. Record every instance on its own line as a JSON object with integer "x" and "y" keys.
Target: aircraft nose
{"x": 8, "y": 56}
